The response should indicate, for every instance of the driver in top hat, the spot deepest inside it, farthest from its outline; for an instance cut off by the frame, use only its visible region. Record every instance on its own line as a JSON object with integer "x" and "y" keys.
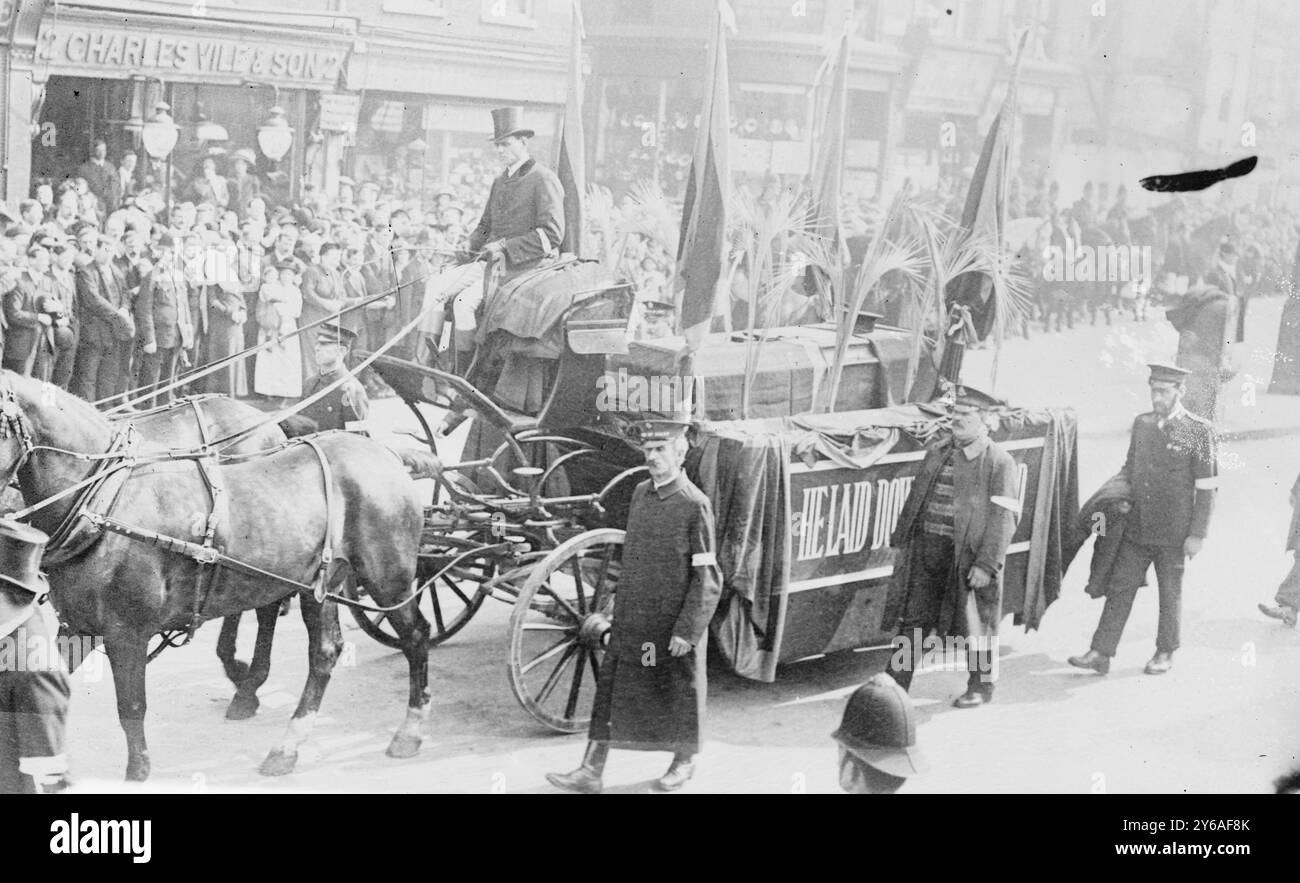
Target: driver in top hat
{"x": 34, "y": 687}
{"x": 522, "y": 225}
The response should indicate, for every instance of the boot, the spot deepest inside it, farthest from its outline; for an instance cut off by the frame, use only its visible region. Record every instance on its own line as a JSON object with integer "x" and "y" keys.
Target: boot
{"x": 1098, "y": 662}
{"x": 1160, "y": 663}
{"x": 1287, "y": 614}
{"x": 679, "y": 773}
{"x": 586, "y": 779}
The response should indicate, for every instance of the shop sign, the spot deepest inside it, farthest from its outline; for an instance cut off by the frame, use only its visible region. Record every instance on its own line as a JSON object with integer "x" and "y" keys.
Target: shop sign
{"x": 169, "y": 56}
{"x": 338, "y": 113}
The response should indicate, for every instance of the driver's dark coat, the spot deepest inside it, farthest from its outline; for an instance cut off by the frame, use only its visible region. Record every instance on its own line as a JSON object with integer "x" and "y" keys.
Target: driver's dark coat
{"x": 669, "y": 585}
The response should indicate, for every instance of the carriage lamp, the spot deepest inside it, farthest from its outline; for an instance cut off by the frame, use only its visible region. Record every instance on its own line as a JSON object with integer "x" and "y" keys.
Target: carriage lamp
{"x": 275, "y": 136}
{"x": 160, "y": 133}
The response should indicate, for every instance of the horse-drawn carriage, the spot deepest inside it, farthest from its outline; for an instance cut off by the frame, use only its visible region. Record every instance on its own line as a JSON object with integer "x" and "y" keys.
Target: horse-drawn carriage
{"x": 805, "y": 503}
{"x": 533, "y": 515}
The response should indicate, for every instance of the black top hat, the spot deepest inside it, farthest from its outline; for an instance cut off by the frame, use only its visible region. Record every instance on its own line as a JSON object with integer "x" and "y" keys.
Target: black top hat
{"x": 507, "y": 121}
{"x": 21, "y": 548}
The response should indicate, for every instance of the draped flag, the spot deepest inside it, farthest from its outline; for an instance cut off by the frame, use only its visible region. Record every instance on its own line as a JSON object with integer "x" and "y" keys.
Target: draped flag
{"x": 828, "y": 171}
{"x": 572, "y": 162}
{"x": 702, "y": 249}
{"x": 985, "y": 213}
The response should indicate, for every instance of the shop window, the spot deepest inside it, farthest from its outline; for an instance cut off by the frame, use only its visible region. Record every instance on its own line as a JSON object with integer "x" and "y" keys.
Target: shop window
{"x": 417, "y": 7}
{"x": 517, "y": 13}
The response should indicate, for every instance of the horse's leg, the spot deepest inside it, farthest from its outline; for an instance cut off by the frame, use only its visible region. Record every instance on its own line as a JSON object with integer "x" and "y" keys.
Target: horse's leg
{"x": 126, "y": 655}
{"x": 324, "y": 642}
{"x": 235, "y": 669}
{"x": 413, "y": 629}
{"x": 244, "y": 704}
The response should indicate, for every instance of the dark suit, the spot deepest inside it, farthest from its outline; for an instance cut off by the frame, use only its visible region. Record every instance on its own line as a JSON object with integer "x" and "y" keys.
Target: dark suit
{"x": 525, "y": 212}
{"x": 65, "y": 285}
{"x": 929, "y": 588}
{"x": 322, "y": 295}
{"x": 158, "y": 309}
{"x": 1204, "y": 321}
{"x": 1172, "y": 472}
{"x": 105, "y": 332}
{"x": 105, "y": 183}
{"x": 1218, "y": 278}
{"x": 22, "y": 309}
{"x": 344, "y": 404}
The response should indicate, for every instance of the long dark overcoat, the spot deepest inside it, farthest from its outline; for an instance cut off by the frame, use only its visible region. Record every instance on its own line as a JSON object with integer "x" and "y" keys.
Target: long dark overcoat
{"x": 647, "y": 699}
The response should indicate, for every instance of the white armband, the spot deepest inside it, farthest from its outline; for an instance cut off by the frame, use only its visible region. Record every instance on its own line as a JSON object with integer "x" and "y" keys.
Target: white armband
{"x": 703, "y": 559}
{"x": 1207, "y": 484}
{"x": 40, "y": 767}
{"x": 1011, "y": 504}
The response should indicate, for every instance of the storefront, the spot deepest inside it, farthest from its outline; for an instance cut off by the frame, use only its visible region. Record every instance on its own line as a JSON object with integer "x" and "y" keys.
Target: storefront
{"x": 100, "y": 73}
{"x": 425, "y": 120}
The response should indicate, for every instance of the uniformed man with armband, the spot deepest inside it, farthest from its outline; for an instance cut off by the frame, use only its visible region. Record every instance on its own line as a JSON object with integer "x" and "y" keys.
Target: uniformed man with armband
{"x": 1172, "y": 470}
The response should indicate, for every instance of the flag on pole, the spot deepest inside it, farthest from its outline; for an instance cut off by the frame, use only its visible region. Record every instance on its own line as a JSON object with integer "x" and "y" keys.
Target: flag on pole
{"x": 828, "y": 170}
{"x": 985, "y": 213}
{"x": 702, "y": 249}
{"x": 572, "y": 162}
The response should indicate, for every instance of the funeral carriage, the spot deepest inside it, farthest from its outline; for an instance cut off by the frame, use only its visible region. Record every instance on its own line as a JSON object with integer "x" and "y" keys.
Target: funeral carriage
{"x": 805, "y": 491}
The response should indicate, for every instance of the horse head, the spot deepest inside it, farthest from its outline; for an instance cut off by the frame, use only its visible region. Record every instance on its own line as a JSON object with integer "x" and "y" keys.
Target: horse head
{"x": 43, "y": 432}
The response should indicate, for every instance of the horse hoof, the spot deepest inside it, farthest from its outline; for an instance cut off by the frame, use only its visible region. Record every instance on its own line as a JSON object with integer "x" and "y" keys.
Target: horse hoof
{"x": 241, "y": 708}
{"x": 137, "y": 772}
{"x": 404, "y": 746}
{"x": 278, "y": 763}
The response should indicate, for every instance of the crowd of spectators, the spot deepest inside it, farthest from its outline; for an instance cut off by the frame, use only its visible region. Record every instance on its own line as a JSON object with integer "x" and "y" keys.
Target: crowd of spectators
{"x": 105, "y": 291}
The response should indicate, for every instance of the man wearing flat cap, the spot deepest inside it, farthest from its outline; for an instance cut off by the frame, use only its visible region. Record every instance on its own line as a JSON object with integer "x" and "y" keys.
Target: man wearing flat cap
{"x": 877, "y": 739}
{"x": 521, "y": 226}
{"x": 651, "y": 687}
{"x": 347, "y": 402}
{"x": 1172, "y": 471}
{"x": 34, "y": 687}
{"x": 951, "y": 542}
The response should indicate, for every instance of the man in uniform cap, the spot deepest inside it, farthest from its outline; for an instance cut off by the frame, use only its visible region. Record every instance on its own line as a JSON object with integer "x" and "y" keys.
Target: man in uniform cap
{"x": 651, "y": 688}
{"x": 877, "y": 739}
{"x": 34, "y": 687}
{"x": 1172, "y": 471}
{"x": 951, "y": 542}
{"x": 347, "y": 402}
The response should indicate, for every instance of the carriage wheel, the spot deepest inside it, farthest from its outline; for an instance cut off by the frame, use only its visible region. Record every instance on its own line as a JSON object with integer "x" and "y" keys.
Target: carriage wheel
{"x": 564, "y": 609}
{"x": 447, "y": 605}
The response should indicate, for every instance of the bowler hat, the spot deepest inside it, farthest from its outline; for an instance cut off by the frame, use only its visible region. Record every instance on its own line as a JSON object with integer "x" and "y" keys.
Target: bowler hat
{"x": 21, "y": 548}
{"x": 246, "y": 155}
{"x": 879, "y": 728}
{"x": 507, "y": 121}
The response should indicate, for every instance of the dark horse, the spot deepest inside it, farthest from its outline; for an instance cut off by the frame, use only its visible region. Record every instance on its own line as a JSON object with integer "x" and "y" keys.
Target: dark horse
{"x": 186, "y": 424}
{"x": 127, "y": 590}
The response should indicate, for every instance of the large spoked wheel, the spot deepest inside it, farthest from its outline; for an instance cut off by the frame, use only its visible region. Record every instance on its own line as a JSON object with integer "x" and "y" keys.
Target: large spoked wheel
{"x": 448, "y": 603}
{"x": 564, "y": 609}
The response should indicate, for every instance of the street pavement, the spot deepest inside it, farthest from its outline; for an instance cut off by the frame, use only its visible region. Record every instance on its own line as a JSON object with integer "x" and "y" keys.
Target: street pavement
{"x": 1225, "y": 719}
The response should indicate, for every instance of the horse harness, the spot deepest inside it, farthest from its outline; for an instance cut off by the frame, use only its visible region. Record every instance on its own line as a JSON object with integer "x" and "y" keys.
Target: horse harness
{"x": 96, "y": 496}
